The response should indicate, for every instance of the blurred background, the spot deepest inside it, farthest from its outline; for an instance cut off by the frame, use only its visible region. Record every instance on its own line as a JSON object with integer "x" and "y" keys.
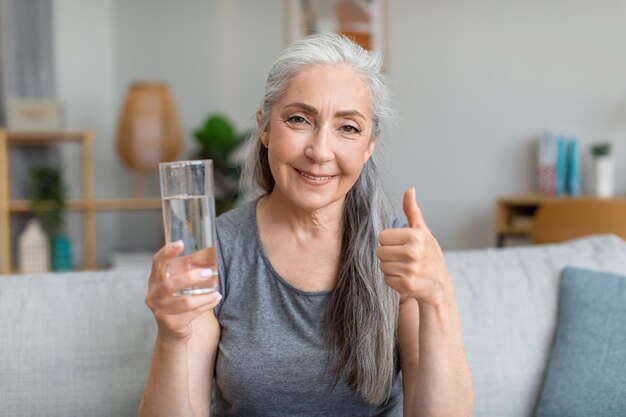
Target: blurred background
{"x": 475, "y": 84}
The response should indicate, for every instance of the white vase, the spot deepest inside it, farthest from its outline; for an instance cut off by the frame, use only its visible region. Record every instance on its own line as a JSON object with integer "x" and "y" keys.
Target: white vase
{"x": 33, "y": 249}
{"x": 604, "y": 176}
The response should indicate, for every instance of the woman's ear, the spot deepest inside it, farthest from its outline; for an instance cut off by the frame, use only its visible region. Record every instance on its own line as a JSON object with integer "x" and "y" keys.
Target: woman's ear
{"x": 370, "y": 150}
{"x": 259, "y": 122}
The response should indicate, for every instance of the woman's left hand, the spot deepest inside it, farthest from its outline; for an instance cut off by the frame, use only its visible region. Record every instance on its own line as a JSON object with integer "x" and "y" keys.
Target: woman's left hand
{"x": 411, "y": 258}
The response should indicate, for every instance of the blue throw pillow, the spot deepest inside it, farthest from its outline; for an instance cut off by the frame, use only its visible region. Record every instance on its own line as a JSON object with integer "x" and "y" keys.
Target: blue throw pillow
{"x": 587, "y": 371}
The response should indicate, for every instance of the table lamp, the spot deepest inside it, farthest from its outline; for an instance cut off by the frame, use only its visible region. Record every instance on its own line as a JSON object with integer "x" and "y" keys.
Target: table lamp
{"x": 149, "y": 130}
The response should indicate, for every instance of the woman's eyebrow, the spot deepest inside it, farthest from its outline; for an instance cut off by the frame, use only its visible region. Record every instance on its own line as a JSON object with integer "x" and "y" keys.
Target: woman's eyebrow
{"x": 306, "y": 107}
{"x": 347, "y": 113}
{"x": 310, "y": 109}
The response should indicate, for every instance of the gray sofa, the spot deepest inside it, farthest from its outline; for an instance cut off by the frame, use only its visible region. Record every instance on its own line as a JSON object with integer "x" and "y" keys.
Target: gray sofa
{"x": 79, "y": 344}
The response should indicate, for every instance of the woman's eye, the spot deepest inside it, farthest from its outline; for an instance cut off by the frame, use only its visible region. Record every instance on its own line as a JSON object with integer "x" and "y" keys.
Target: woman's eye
{"x": 350, "y": 129}
{"x": 296, "y": 119}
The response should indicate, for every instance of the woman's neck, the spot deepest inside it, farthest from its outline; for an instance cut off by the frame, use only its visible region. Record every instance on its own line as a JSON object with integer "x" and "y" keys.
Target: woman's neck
{"x": 305, "y": 224}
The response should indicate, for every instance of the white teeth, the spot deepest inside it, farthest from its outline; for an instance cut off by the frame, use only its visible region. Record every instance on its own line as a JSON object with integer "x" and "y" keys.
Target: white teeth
{"x": 313, "y": 178}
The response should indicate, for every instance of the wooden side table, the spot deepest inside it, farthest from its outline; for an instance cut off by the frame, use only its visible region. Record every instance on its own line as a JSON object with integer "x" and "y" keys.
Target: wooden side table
{"x": 515, "y": 214}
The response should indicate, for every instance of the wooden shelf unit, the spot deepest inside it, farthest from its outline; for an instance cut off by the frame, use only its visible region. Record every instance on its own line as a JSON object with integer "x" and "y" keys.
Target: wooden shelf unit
{"x": 515, "y": 214}
{"x": 87, "y": 205}
{"x": 117, "y": 204}
{"x": 136, "y": 204}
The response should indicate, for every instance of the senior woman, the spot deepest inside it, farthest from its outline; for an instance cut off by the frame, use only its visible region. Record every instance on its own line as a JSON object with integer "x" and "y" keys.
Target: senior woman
{"x": 328, "y": 305}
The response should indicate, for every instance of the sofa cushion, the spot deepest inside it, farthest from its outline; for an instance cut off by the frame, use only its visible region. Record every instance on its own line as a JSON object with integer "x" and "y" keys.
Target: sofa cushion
{"x": 508, "y": 303}
{"x": 587, "y": 371}
{"x": 74, "y": 344}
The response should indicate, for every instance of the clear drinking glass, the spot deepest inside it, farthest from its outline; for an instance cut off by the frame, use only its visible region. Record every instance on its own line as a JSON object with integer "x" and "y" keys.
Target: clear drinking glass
{"x": 187, "y": 194}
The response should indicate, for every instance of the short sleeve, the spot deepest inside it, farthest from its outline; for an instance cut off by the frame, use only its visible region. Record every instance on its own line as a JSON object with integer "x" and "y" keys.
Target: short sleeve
{"x": 221, "y": 272}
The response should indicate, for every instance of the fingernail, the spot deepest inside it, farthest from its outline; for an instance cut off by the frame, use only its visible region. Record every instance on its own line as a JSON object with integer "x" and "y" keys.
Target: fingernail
{"x": 207, "y": 273}
{"x": 177, "y": 244}
{"x": 217, "y": 295}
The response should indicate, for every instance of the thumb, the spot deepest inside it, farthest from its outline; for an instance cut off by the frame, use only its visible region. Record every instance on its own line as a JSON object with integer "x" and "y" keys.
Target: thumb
{"x": 173, "y": 249}
{"x": 163, "y": 256}
{"x": 412, "y": 210}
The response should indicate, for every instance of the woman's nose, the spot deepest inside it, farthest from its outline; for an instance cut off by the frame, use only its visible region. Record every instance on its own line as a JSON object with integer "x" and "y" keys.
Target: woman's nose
{"x": 319, "y": 147}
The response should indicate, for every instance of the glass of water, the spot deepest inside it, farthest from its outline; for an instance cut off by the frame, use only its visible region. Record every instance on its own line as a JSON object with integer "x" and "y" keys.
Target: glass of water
{"x": 187, "y": 195}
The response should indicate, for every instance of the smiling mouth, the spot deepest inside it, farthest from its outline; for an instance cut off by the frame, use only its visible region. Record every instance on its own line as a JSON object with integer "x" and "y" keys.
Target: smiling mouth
{"x": 314, "y": 177}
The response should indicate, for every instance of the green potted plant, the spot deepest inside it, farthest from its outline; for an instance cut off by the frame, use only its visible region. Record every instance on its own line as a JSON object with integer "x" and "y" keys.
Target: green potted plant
{"x": 219, "y": 141}
{"x": 601, "y": 149}
{"x": 48, "y": 202}
{"x": 604, "y": 171}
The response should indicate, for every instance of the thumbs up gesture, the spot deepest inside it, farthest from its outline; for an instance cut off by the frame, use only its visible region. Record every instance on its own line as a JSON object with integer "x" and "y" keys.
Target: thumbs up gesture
{"x": 411, "y": 258}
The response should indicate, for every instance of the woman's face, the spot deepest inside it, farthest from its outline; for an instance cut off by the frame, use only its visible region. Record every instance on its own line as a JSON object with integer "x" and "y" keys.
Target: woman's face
{"x": 319, "y": 136}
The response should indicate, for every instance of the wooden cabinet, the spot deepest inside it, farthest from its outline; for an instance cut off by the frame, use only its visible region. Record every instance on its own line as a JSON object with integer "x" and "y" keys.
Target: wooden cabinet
{"x": 88, "y": 205}
{"x": 516, "y": 214}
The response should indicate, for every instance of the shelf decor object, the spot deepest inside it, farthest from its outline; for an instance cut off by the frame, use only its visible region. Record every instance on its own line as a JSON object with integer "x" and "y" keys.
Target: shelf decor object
{"x": 33, "y": 249}
{"x": 604, "y": 170}
{"x": 48, "y": 196}
{"x": 363, "y": 21}
{"x": 35, "y": 115}
{"x": 149, "y": 130}
{"x": 558, "y": 164}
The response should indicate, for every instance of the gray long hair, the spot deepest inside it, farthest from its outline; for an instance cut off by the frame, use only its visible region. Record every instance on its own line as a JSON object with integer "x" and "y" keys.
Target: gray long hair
{"x": 361, "y": 317}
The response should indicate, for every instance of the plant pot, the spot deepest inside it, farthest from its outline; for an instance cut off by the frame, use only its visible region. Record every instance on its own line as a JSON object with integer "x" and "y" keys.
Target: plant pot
{"x": 604, "y": 176}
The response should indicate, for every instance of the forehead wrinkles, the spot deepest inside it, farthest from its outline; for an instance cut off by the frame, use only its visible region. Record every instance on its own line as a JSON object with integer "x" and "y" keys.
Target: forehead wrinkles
{"x": 338, "y": 86}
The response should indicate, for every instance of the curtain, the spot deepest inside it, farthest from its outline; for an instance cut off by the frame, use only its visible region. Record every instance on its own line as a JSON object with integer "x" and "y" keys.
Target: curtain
{"x": 26, "y": 71}
{"x": 27, "y": 49}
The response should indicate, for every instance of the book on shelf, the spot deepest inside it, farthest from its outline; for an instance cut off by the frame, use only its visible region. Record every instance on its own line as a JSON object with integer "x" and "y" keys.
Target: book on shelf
{"x": 547, "y": 164}
{"x": 558, "y": 164}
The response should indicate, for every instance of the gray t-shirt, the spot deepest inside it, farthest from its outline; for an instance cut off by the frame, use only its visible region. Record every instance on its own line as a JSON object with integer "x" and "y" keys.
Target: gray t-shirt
{"x": 271, "y": 355}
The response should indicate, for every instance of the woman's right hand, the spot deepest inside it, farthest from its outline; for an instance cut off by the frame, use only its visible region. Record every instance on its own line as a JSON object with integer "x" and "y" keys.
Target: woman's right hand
{"x": 174, "y": 314}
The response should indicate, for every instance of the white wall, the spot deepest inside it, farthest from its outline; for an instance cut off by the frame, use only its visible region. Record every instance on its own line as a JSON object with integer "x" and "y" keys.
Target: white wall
{"x": 213, "y": 54}
{"x": 85, "y": 71}
{"x": 475, "y": 83}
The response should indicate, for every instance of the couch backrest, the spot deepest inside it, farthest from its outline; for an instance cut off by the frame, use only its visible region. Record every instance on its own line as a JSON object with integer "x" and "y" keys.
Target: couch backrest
{"x": 508, "y": 302}
{"x": 74, "y": 344}
{"x": 79, "y": 344}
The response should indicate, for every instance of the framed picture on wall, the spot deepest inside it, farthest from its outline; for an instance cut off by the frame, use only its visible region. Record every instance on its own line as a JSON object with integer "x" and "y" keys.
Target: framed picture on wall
{"x": 364, "y": 21}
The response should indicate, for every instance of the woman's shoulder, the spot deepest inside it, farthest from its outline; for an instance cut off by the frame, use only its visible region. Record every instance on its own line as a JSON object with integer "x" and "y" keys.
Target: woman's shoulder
{"x": 236, "y": 239}
{"x": 238, "y": 219}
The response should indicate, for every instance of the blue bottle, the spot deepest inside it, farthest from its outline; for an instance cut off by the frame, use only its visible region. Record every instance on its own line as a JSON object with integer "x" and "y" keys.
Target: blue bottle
{"x": 62, "y": 253}
{"x": 561, "y": 165}
{"x": 573, "y": 165}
